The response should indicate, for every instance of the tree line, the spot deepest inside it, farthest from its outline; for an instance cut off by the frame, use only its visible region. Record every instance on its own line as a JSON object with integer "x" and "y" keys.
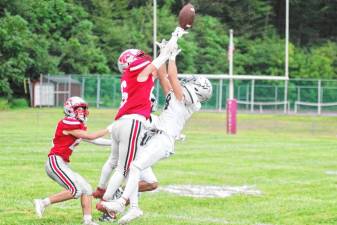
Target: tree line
{"x": 87, "y": 36}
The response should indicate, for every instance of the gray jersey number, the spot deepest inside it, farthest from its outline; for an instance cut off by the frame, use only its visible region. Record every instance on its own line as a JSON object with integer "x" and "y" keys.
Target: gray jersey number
{"x": 167, "y": 100}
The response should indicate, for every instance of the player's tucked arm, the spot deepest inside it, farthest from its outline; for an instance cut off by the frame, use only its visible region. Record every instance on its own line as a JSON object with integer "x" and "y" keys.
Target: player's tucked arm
{"x": 100, "y": 141}
{"x": 164, "y": 82}
{"x": 85, "y": 135}
{"x": 173, "y": 76}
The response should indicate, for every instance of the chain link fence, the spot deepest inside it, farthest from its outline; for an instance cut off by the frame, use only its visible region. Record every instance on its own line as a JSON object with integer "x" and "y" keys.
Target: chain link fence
{"x": 103, "y": 91}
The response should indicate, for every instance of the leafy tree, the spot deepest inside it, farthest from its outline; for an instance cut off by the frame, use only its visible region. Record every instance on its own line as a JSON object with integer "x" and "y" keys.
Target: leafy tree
{"x": 15, "y": 38}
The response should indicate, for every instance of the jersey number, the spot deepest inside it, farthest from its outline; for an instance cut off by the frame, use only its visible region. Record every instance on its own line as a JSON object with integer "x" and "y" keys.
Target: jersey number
{"x": 124, "y": 94}
{"x": 167, "y": 101}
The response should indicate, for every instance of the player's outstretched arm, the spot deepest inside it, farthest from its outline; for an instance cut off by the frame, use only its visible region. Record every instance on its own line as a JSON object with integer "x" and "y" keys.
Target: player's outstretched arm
{"x": 173, "y": 75}
{"x": 100, "y": 141}
{"x": 85, "y": 135}
{"x": 163, "y": 56}
{"x": 164, "y": 82}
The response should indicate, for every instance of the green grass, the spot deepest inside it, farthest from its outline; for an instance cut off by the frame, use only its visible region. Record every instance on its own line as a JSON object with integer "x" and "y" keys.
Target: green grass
{"x": 283, "y": 156}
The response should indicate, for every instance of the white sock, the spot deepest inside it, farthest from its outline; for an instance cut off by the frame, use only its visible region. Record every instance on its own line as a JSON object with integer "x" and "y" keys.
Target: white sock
{"x": 87, "y": 217}
{"x": 132, "y": 184}
{"x": 134, "y": 199}
{"x": 105, "y": 175}
{"x": 114, "y": 183}
{"x": 46, "y": 202}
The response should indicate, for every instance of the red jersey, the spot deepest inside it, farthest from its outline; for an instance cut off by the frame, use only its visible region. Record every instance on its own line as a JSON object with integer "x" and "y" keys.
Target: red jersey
{"x": 136, "y": 95}
{"x": 63, "y": 145}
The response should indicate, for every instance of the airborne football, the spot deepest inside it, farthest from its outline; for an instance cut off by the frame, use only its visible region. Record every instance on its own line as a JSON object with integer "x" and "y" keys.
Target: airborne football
{"x": 168, "y": 112}
{"x": 186, "y": 16}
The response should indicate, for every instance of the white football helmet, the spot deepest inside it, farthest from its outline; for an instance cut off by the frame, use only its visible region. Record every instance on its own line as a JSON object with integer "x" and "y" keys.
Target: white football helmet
{"x": 77, "y": 108}
{"x": 127, "y": 57}
{"x": 197, "y": 88}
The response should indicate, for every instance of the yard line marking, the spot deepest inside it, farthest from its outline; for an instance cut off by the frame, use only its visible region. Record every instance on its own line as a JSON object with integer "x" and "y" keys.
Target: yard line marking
{"x": 330, "y": 172}
{"x": 194, "y": 219}
{"x": 205, "y": 191}
{"x": 188, "y": 218}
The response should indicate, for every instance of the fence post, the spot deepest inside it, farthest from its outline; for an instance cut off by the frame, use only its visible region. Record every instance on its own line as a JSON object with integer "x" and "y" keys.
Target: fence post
{"x": 83, "y": 86}
{"x": 319, "y": 97}
{"x": 47, "y": 94}
{"x": 69, "y": 87}
{"x": 41, "y": 83}
{"x": 247, "y": 96}
{"x": 275, "y": 97}
{"x": 252, "y": 96}
{"x": 98, "y": 91}
{"x": 220, "y": 95}
{"x": 285, "y": 95}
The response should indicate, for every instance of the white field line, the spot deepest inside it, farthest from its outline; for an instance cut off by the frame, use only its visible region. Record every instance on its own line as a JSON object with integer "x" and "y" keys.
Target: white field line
{"x": 193, "y": 219}
{"x": 330, "y": 172}
{"x": 204, "y": 191}
{"x": 187, "y": 218}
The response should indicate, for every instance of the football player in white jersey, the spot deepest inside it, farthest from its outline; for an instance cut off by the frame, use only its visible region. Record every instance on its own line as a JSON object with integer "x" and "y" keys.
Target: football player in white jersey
{"x": 182, "y": 100}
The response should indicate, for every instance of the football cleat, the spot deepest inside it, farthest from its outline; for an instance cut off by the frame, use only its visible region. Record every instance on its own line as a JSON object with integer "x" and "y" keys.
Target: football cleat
{"x": 98, "y": 193}
{"x": 39, "y": 207}
{"x": 115, "y": 205}
{"x": 133, "y": 213}
{"x": 101, "y": 208}
{"x": 90, "y": 222}
{"x": 107, "y": 218}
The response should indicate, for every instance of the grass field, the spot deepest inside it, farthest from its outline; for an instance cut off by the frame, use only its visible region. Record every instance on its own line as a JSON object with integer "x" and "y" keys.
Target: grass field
{"x": 285, "y": 157}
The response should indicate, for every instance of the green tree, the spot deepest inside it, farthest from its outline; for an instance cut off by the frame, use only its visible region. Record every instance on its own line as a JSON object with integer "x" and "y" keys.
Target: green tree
{"x": 15, "y": 38}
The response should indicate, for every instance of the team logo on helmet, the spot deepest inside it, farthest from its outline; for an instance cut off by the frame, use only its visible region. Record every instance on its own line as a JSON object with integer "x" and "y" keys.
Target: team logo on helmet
{"x": 200, "y": 86}
{"x": 77, "y": 108}
{"x": 127, "y": 57}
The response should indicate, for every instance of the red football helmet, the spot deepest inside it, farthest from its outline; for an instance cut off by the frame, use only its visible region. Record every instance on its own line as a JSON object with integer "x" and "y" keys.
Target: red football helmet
{"x": 77, "y": 108}
{"x": 127, "y": 57}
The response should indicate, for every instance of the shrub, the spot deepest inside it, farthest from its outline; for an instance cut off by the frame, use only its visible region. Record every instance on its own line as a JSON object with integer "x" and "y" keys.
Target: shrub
{"x": 4, "y": 104}
{"x": 19, "y": 103}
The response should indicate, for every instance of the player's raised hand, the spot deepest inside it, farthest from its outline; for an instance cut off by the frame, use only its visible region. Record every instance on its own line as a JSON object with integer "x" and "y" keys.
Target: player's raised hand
{"x": 179, "y": 32}
{"x": 173, "y": 54}
{"x": 161, "y": 45}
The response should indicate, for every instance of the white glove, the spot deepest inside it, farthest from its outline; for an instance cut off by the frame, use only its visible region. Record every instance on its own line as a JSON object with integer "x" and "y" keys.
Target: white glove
{"x": 174, "y": 53}
{"x": 167, "y": 48}
{"x": 179, "y": 32}
{"x": 165, "y": 52}
{"x": 109, "y": 128}
{"x": 181, "y": 138}
{"x": 161, "y": 45}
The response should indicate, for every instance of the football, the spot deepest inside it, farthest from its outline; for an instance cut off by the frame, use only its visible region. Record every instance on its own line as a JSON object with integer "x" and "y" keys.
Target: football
{"x": 186, "y": 16}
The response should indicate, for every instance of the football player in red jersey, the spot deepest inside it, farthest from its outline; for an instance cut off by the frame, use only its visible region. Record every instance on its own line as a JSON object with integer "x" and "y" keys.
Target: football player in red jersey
{"x": 69, "y": 133}
{"x": 137, "y": 82}
{"x": 182, "y": 100}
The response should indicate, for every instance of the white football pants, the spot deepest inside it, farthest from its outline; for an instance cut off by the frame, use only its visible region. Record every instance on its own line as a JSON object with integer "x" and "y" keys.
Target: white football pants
{"x": 157, "y": 148}
{"x": 126, "y": 134}
{"x": 59, "y": 170}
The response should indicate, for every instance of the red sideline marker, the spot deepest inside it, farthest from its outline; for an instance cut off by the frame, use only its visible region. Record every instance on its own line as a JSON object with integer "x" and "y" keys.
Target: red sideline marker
{"x": 231, "y": 116}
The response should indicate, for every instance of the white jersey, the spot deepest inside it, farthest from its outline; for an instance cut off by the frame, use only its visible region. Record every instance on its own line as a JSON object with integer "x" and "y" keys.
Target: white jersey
{"x": 149, "y": 123}
{"x": 174, "y": 116}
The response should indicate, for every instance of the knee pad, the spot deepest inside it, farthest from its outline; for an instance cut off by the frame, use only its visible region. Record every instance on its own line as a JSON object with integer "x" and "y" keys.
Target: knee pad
{"x": 134, "y": 166}
{"x": 84, "y": 189}
{"x": 112, "y": 163}
{"x": 77, "y": 194}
